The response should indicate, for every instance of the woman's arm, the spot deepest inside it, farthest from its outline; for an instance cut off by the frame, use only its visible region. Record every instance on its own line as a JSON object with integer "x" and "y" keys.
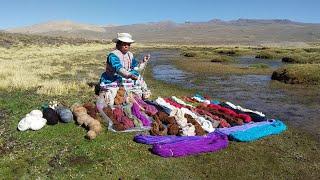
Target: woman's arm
{"x": 115, "y": 63}
{"x": 139, "y": 67}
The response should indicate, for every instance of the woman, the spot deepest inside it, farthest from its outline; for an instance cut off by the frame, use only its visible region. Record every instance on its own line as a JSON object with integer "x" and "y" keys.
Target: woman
{"x": 122, "y": 69}
{"x": 121, "y": 64}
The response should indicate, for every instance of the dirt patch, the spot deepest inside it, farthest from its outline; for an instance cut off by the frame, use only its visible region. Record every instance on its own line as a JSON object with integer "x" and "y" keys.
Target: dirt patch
{"x": 7, "y": 147}
{"x": 2, "y": 114}
{"x": 76, "y": 160}
{"x": 56, "y": 160}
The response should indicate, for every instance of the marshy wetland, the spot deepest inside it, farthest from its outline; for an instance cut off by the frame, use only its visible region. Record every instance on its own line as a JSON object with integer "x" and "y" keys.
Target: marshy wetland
{"x": 33, "y": 72}
{"x": 251, "y": 86}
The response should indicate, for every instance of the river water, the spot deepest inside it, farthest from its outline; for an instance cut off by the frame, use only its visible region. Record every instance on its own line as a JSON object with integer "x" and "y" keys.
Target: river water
{"x": 296, "y": 105}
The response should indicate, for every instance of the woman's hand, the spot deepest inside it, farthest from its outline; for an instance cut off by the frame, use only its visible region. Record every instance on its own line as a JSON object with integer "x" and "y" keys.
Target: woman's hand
{"x": 133, "y": 77}
{"x": 146, "y": 58}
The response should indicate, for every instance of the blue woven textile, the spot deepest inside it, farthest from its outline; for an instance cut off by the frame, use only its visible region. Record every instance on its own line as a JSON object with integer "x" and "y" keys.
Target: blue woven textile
{"x": 258, "y": 132}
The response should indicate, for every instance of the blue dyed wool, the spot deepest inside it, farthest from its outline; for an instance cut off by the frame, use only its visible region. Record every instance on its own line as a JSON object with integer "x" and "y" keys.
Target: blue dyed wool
{"x": 258, "y": 132}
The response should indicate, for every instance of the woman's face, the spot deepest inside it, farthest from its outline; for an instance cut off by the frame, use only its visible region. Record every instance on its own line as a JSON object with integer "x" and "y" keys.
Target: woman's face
{"x": 124, "y": 47}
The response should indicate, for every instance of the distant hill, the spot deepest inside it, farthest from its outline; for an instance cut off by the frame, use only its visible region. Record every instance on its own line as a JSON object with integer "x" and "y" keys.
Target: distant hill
{"x": 241, "y": 31}
{"x": 12, "y": 39}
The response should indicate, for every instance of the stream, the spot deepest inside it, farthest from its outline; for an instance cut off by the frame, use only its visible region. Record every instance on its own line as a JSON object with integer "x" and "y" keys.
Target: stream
{"x": 296, "y": 105}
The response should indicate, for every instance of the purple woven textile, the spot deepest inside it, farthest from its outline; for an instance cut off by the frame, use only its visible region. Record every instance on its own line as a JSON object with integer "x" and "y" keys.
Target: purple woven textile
{"x": 212, "y": 143}
{"x": 136, "y": 111}
{"x": 243, "y": 127}
{"x": 149, "y": 108}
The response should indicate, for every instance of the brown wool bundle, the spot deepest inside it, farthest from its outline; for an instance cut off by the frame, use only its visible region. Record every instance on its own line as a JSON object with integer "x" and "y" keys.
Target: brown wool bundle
{"x": 165, "y": 118}
{"x": 199, "y": 130}
{"x": 91, "y": 109}
{"x": 120, "y": 97}
{"x": 83, "y": 118}
{"x": 157, "y": 129}
{"x": 173, "y": 129}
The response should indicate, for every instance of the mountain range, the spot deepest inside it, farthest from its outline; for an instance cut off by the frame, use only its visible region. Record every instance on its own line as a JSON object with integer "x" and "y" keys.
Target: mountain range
{"x": 215, "y": 31}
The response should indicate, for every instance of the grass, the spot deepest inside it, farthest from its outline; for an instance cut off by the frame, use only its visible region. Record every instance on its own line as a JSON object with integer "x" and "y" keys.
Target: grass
{"x": 207, "y": 67}
{"x": 298, "y": 74}
{"x": 302, "y": 58}
{"x": 32, "y": 75}
{"x": 8, "y": 40}
{"x": 199, "y": 60}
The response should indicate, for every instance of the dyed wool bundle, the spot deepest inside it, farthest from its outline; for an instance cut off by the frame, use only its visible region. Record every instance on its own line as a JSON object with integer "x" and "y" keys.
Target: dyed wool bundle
{"x": 172, "y": 126}
{"x": 91, "y": 109}
{"x": 198, "y": 129}
{"x": 212, "y": 143}
{"x": 228, "y": 131}
{"x": 128, "y": 113}
{"x": 165, "y": 118}
{"x": 246, "y": 118}
{"x": 65, "y": 114}
{"x": 258, "y": 132}
{"x": 173, "y": 103}
{"x": 51, "y": 116}
{"x": 136, "y": 112}
{"x": 120, "y": 96}
{"x": 117, "y": 126}
{"x": 159, "y": 107}
{"x": 84, "y": 119}
{"x": 157, "y": 128}
{"x": 255, "y": 115}
{"x": 122, "y": 119}
{"x": 173, "y": 129}
{"x": 149, "y": 109}
{"x": 149, "y": 139}
{"x": 228, "y": 118}
{"x": 245, "y": 110}
{"x": 187, "y": 129}
{"x": 180, "y": 101}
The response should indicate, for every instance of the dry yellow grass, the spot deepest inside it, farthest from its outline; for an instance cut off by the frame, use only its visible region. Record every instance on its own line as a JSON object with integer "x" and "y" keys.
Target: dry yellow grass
{"x": 39, "y": 67}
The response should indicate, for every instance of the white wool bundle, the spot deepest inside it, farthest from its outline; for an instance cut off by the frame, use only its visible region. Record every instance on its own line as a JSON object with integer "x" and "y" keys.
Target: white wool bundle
{"x": 33, "y": 121}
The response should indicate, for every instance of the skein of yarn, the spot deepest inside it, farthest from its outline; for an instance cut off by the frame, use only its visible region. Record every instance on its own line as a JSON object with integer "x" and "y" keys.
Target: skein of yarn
{"x": 51, "y": 116}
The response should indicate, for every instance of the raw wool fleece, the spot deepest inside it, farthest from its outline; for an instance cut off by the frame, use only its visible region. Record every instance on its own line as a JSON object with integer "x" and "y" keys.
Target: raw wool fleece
{"x": 33, "y": 121}
{"x": 65, "y": 114}
{"x": 51, "y": 116}
{"x": 84, "y": 119}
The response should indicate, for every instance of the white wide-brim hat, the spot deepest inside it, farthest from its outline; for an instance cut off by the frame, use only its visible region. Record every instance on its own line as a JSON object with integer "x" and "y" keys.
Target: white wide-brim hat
{"x": 124, "y": 37}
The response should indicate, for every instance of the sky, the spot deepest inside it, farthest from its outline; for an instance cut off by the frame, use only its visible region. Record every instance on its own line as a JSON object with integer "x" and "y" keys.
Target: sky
{"x": 17, "y": 13}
